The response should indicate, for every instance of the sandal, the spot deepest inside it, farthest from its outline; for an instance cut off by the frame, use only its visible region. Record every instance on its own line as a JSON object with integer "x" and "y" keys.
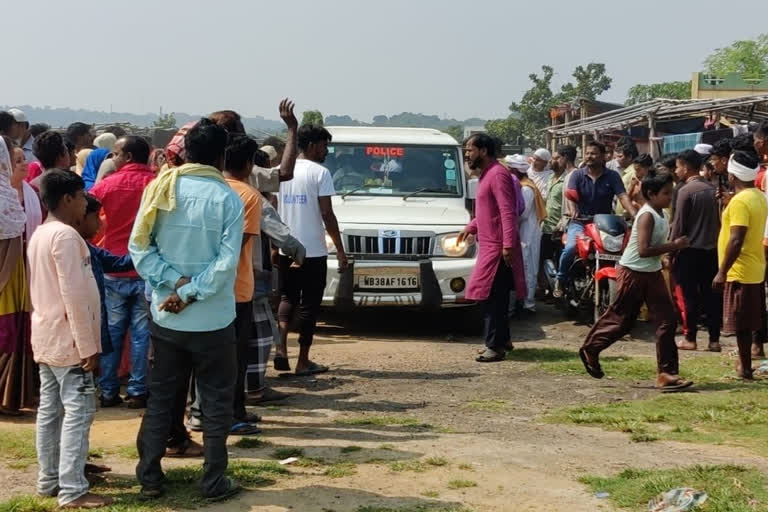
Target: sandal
{"x": 89, "y": 501}
{"x": 244, "y": 429}
{"x": 312, "y": 369}
{"x": 490, "y": 356}
{"x": 594, "y": 371}
{"x": 251, "y": 418}
{"x": 231, "y": 489}
{"x": 187, "y": 450}
{"x": 96, "y": 468}
{"x": 281, "y": 364}
{"x": 675, "y": 386}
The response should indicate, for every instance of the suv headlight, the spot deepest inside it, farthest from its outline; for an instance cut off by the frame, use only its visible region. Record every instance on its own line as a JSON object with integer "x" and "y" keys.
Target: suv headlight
{"x": 447, "y": 246}
{"x": 329, "y": 244}
{"x": 612, "y": 243}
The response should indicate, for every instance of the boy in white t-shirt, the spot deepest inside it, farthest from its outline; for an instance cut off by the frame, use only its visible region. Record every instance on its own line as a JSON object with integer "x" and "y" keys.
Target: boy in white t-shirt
{"x": 305, "y": 207}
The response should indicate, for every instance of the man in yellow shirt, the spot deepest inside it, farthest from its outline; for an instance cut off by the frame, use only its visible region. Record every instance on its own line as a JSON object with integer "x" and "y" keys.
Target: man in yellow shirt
{"x": 742, "y": 257}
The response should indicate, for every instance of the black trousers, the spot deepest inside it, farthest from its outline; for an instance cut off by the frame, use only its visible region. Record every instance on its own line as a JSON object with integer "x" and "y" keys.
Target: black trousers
{"x": 302, "y": 288}
{"x": 212, "y": 357}
{"x": 243, "y": 324}
{"x": 496, "y": 309}
{"x": 694, "y": 270}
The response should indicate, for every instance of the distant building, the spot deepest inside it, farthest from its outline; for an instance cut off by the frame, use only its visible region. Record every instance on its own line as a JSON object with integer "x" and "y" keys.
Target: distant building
{"x": 471, "y": 130}
{"x": 732, "y": 85}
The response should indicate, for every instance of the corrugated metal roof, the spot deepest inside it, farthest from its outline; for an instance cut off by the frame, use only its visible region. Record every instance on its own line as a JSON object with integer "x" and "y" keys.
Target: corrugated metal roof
{"x": 747, "y": 108}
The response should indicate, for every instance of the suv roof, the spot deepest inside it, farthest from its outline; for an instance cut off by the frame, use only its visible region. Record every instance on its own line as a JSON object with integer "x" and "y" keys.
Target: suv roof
{"x": 387, "y": 135}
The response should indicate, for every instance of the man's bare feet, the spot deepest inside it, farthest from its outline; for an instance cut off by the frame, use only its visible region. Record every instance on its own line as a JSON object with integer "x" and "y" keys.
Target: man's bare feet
{"x": 758, "y": 350}
{"x": 89, "y": 501}
{"x": 686, "y": 345}
{"x": 741, "y": 374}
{"x": 666, "y": 382}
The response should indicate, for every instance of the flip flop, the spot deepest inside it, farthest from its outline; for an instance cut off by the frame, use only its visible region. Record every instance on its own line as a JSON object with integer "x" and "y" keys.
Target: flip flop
{"x": 188, "y": 450}
{"x": 244, "y": 429}
{"x": 679, "y": 385}
{"x": 232, "y": 489}
{"x": 483, "y": 358}
{"x": 281, "y": 364}
{"x": 252, "y": 418}
{"x": 595, "y": 372}
{"x": 96, "y": 468}
{"x": 312, "y": 369}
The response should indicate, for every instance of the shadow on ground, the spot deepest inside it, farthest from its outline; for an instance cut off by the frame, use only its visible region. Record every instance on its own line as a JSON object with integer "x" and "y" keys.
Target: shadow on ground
{"x": 340, "y": 499}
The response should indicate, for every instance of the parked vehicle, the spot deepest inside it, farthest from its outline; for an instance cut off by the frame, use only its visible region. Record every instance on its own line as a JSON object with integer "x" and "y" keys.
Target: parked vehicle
{"x": 401, "y": 202}
{"x": 591, "y": 285}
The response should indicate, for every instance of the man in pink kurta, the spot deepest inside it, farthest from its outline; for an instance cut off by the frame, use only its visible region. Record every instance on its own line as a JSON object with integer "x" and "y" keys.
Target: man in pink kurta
{"x": 499, "y": 267}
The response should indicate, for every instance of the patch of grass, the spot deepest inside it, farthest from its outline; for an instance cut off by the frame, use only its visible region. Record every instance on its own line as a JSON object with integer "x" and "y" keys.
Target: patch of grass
{"x": 383, "y": 421}
{"x": 415, "y": 466}
{"x": 431, "y": 494}
{"x": 466, "y": 467}
{"x": 376, "y": 460}
{"x": 491, "y": 405}
{"x": 738, "y": 418}
{"x": 128, "y": 451}
{"x": 17, "y": 448}
{"x": 351, "y": 449}
{"x": 28, "y": 504}
{"x": 309, "y": 462}
{"x": 436, "y": 461}
{"x": 183, "y": 490}
{"x": 284, "y": 453}
{"x": 20, "y": 465}
{"x": 387, "y": 447}
{"x": 730, "y": 488}
{"x": 460, "y": 483}
{"x": 251, "y": 442}
{"x": 340, "y": 470}
{"x": 96, "y": 453}
{"x": 701, "y": 368}
{"x": 643, "y": 437}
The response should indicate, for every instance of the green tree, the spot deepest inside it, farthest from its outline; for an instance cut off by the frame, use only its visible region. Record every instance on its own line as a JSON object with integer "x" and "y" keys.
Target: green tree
{"x": 509, "y": 130}
{"x": 166, "y": 121}
{"x": 748, "y": 58}
{"x": 646, "y": 92}
{"x": 591, "y": 82}
{"x": 535, "y": 104}
{"x": 312, "y": 117}
{"x": 456, "y": 131}
{"x": 534, "y": 107}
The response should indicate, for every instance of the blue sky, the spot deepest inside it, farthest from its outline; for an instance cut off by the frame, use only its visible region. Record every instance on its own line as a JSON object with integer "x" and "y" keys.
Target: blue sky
{"x": 363, "y": 57}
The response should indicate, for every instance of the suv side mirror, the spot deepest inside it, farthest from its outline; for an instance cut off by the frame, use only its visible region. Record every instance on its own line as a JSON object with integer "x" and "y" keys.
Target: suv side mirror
{"x": 472, "y": 188}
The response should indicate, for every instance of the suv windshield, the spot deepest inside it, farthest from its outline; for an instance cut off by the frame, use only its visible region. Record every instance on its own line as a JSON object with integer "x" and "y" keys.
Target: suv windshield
{"x": 395, "y": 170}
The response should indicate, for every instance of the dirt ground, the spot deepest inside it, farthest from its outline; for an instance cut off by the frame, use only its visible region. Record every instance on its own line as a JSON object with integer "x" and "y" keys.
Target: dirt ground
{"x": 408, "y": 366}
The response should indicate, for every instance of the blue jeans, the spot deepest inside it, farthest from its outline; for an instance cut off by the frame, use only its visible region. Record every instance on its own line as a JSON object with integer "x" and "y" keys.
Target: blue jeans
{"x": 569, "y": 251}
{"x": 126, "y": 307}
{"x": 64, "y": 417}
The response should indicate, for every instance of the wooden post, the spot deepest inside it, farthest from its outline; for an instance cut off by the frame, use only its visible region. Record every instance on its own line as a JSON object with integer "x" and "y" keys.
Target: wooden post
{"x": 655, "y": 153}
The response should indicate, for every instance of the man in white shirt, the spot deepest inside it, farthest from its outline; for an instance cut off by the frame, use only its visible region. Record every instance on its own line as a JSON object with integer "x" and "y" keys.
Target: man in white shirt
{"x": 539, "y": 172}
{"x": 23, "y": 135}
{"x": 305, "y": 207}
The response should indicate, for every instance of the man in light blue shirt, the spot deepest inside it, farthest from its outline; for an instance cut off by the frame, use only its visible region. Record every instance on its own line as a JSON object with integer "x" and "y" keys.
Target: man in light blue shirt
{"x": 188, "y": 253}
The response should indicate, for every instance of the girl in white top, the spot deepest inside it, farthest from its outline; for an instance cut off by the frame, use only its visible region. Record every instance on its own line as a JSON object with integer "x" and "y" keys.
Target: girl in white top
{"x": 640, "y": 281}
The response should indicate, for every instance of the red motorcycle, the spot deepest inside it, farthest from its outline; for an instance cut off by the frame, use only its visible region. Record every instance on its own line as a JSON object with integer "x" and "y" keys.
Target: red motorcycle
{"x": 591, "y": 285}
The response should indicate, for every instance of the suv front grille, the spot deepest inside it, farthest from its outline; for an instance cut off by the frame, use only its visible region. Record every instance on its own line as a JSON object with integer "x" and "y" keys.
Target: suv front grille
{"x": 405, "y": 244}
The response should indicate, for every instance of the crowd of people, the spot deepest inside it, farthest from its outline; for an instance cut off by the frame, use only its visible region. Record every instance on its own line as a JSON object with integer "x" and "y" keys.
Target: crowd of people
{"x": 119, "y": 258}
{"x": 696, "y": 251}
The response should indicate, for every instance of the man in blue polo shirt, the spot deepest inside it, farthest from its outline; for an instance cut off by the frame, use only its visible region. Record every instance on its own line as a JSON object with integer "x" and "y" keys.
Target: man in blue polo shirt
{"x": 592, "y": 188}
